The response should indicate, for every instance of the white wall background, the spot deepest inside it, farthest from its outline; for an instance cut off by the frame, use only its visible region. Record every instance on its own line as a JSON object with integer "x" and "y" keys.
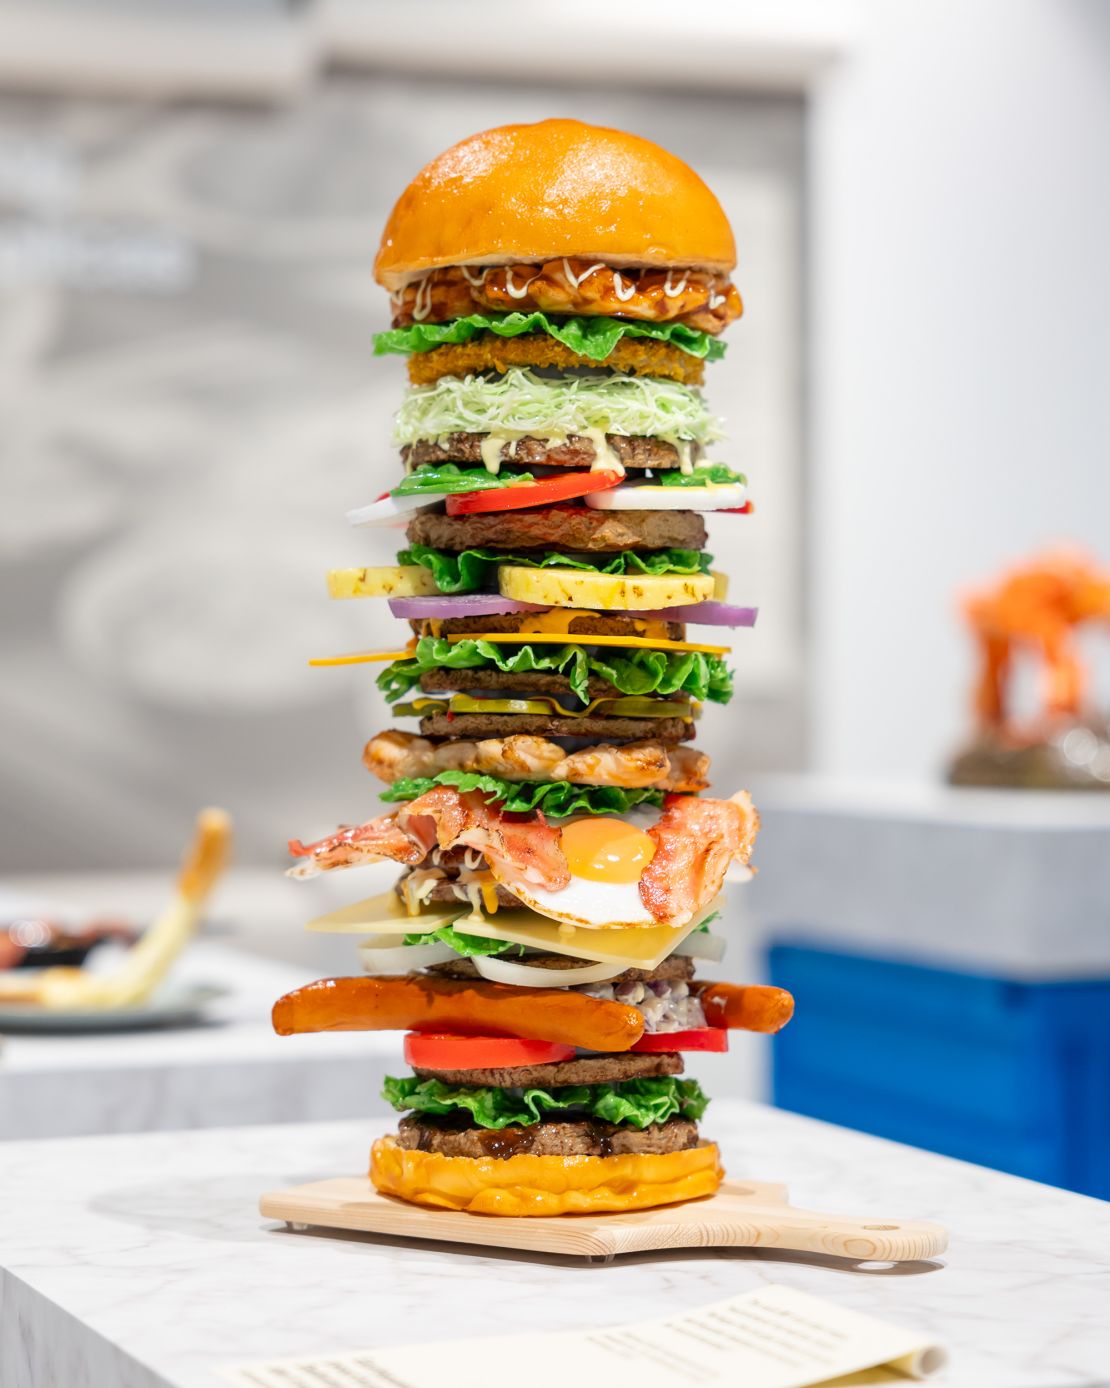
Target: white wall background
{"x": 960, "y": 346}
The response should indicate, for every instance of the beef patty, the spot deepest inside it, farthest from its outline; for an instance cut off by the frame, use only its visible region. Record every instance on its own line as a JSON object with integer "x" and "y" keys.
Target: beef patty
{"x": 674, "y": 968}
{"x": 589, "y": 1069}
{"x": 564, "y": 528}
{"x": 544, "y": 725}
{"x": 575, "y": 451}
{"x": 583, "y": 1137}
{"x": 527, "y": 682}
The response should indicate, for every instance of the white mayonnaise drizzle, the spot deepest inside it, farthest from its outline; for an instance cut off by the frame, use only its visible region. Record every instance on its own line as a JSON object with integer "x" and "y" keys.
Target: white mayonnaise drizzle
{"x": 622, "y": 293}
{"x": 575, "y": 280}
{"x": 422, "y": 304}
{"x": 474, "y": 280}
{"x": 672, "y": 291}
{"x": 605, "y": 460}
{"x": 511, "y": 289}
{"x": 491, "y": 451}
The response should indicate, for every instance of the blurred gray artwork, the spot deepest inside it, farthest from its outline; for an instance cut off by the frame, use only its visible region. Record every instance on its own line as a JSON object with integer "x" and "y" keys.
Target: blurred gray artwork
{"x": 188, "y": 405}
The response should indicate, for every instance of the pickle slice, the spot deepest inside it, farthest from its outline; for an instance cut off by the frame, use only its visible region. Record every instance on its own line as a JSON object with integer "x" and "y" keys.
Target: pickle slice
{"x": 545, "y": 705}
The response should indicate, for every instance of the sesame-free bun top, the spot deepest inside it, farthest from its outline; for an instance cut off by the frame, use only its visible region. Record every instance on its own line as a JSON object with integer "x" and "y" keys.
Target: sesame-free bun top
{"x": 555, "y": 188}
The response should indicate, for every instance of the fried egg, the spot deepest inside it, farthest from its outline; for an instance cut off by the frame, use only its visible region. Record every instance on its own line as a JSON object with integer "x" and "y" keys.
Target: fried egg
{"x": 606, "y": 855}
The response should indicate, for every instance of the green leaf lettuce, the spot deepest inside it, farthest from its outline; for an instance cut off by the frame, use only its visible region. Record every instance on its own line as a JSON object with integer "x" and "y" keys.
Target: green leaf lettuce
{"x": 636, "y": 672}
{"x": 472, "y": 570}
{"x": 556, "y": 798}
{"x": 593, "y": 337}
{"x": 639, "y": 1103}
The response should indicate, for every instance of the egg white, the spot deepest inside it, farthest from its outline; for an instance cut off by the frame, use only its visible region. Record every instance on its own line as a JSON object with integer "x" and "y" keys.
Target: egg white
{"x": 585, "y": 903}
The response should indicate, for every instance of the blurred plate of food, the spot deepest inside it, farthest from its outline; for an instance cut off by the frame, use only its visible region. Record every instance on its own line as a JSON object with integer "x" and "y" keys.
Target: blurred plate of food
{"x": 176, "y": 1005}
{"x": 105, "y": 976}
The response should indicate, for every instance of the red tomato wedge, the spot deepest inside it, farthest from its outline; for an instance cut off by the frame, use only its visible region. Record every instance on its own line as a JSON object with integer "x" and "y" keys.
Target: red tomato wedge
{"x": 436, "y": 1051}
{"x": 545, "y": 492}
{"x": 700, "y": 1039}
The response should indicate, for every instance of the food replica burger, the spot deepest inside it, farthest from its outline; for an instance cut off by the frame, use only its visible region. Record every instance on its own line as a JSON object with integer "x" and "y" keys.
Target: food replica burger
{"x": 558, "y": 289}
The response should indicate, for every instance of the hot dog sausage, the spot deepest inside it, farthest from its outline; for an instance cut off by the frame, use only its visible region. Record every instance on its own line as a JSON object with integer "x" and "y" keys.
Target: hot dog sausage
{"x": 460, "y": 1007}
{"x": 744, "y": 1007}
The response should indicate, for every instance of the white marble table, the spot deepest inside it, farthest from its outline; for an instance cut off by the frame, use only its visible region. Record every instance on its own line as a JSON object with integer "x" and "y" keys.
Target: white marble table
{"x": 232, "y": 1069}
{"x": 141, "y": 1261}
{"x": 1014, "y": 884}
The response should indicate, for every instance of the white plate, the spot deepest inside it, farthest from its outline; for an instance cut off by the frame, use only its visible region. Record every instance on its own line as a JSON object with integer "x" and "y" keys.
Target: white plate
{"x": 174, "y": 1006}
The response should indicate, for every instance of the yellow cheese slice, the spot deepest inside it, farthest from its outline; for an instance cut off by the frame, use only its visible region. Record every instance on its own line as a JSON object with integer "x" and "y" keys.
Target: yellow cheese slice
{"x": 389, "y": 581}
{"x": 385, "y": 914}
{"x": 362, "y": 657}
{"x": 642, "y": 948}
{"x": 606, "y": 592}
{"x": 639, "y": 643}
{"x": 559, "y": 619}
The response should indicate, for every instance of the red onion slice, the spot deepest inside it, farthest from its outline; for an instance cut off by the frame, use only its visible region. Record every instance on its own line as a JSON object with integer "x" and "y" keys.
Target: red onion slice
{"x": 707, "y": 614}
{"x": 460, "y": 605}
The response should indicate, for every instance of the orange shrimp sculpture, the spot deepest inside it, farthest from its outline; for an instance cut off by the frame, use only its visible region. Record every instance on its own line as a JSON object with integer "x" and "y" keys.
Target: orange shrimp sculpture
{"x": 1038, "y": 605}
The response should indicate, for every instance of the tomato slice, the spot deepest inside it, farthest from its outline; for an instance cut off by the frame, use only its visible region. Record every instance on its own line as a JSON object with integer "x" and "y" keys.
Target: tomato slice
{"x": 700, "y": 1039}
{"x": 545, "y": 492}
{"x": 437, "y": 1051}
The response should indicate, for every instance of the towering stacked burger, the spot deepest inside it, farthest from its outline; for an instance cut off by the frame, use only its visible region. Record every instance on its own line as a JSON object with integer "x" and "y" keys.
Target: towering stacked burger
{"x": 557, "y": 289}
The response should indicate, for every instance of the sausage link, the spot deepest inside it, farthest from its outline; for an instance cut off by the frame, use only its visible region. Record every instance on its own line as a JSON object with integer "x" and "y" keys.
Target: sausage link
{"x": 418, "y": 1002}
{"x": 744, "y": 1006}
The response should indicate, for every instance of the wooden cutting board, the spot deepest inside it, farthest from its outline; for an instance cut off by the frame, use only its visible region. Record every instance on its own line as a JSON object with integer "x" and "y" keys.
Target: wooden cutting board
{"x": 742, "y": 1214}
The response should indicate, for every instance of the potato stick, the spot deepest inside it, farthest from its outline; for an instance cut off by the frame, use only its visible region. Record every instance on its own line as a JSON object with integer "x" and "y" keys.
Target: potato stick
{"x": 148, "y": 962}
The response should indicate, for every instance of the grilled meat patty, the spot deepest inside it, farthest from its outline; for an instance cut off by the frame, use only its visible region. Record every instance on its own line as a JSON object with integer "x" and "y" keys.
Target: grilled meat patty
{"x": 544, "y": 725}
{"x": 589, "y": 1069}
{"x": 527, "y": 682}
{"x": 676, "y": 967}
{"x": 584, "y": 1137}
{"x": 564, "y": 528}
{"x": 575, "y": 451}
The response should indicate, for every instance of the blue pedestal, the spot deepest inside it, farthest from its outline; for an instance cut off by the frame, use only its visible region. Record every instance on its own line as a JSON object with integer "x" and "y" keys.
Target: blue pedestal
{"x": 1010, "y": 1075}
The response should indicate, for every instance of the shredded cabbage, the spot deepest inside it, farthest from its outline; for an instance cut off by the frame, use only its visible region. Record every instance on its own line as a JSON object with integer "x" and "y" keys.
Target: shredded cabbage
{"x": 522, "y": 403}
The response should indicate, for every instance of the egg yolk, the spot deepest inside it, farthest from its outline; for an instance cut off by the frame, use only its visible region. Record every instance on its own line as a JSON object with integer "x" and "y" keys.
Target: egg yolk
{"x": 606, "y": 850}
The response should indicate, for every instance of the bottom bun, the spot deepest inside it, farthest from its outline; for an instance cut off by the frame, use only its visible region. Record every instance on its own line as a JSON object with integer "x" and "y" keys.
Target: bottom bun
{"x": 531, "y": 1185}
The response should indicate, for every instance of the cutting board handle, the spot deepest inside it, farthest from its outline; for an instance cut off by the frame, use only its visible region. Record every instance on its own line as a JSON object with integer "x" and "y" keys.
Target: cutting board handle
{"x": 866, "y": 1239}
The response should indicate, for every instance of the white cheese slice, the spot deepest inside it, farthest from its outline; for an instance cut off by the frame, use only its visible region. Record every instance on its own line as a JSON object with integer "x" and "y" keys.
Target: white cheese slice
{"x": 385, "y": 914}
{"x": 642, "y": 948}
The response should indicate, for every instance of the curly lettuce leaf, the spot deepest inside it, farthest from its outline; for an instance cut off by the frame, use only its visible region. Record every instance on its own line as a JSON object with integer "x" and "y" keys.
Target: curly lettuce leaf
{"x": 639, "y": 1103}
{"x": 473, "y": 569}
{"x": 717, "y": 473}
{"x": 438, "y": 478}
{"x": 638, "y": 672}
{"x": 593, "y": 337}
{"x": 556, "y": 798}
{"x": 461, "y": 943}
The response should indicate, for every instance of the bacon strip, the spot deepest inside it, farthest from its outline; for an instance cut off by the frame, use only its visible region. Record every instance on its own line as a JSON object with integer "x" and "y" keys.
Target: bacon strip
{"x": 527, "y": 848}
{"x": 695, "y": 841}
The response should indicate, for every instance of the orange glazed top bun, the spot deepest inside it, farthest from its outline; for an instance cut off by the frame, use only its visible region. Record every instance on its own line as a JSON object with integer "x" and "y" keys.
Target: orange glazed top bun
{"x": 555, "y": 188}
